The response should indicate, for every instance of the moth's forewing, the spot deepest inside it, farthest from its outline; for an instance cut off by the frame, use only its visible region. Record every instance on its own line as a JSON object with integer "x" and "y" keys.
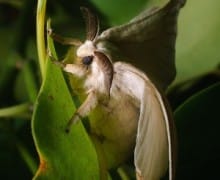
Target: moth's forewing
{"x": 155, "y": 145}
{"x": 154, "y": 149}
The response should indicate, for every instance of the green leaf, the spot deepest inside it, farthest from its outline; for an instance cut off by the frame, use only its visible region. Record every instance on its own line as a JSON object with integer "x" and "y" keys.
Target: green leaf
{"x": 62, "y": 155}
{"x": 198, "y": 125}
{"x": 198, "y": 39}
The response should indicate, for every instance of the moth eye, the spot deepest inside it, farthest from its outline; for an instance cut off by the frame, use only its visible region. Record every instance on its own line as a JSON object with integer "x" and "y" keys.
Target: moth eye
{"x": 87, "y": 60}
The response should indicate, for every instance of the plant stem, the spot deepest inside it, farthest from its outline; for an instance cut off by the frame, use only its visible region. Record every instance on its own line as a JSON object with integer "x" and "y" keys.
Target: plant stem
{"x": 50, "y": 43}
{"x": 30, "y": 83}
{"x": 27, "y": 157}
{"x": 16, "y": 110}
{"x": 40, "y": 24}
{"x": 122, "y": 174}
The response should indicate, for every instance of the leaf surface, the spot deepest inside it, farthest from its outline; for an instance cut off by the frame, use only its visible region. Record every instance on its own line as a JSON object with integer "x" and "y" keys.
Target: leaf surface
{"x": 62, "y": 155}
{"x": 198, "y": 39}
{"x": 198, "y": 125}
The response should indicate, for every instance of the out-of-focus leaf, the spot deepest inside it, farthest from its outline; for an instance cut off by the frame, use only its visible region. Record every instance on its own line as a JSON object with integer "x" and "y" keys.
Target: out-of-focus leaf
{"x": 27, "y": 157}
{"x": 26, "y": 82}
{"x": 198, "y": 125}
{"x": 198, "y": 39}
{"x": 121, "y": 11}
{"x": 62, "y": 155}
{"x": 183, "y": 90}
{"x": 5, "y": 34}
{"x": 8, "y": 73}
{"x": 12, "y": 166}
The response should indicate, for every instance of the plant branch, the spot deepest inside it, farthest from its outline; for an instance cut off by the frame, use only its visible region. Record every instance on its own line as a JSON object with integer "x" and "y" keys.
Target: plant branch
{"x": 15, "y": 111}
{"x": 40, "y": 27}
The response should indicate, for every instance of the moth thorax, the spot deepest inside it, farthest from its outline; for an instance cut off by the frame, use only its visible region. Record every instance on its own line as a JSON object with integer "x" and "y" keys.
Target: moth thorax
{"x": 86, "y": 49}
{"x": 95, "y": 79}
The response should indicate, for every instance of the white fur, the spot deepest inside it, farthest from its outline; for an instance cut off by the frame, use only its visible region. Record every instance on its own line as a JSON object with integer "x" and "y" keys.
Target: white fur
{"x": 96, "y": 79}
{"x": 78, "y": 71}
{"x": 86, "y": 49}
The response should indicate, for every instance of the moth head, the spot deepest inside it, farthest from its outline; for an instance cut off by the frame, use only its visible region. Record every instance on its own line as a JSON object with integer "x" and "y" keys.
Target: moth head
{"x": 85, "y": 51}
{"x": 92, "y": 64}
{"x": 99, "y": 68}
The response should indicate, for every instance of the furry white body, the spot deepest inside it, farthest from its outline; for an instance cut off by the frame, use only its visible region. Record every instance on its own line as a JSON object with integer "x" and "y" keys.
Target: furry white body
{"x": 132, "y": 102}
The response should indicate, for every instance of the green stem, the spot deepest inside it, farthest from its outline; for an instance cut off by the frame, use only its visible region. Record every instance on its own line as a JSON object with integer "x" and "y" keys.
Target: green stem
{"x": 30, "y": 83}
{"x": 27, "y": 157}
{"x": 40, "y": 22}
{"x": 50, "y": 44}
{"x": 122, "y": 174}
{"x": 15, "y": 111}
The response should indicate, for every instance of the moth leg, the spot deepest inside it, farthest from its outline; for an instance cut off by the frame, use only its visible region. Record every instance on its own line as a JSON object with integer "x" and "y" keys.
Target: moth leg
{"x": 55, "y": 61}
{"x": 74, "y": 69}
{"x": 63, "y": 40}
{"x": 83, "y": 110}
{"x": 70, "y": 68}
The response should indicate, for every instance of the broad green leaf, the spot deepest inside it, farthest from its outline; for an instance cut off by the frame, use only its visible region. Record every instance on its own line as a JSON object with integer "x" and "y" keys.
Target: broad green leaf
{"x": 62, "y": 155}
{"x": 198, "y": 125}
{"x": 198, "y": 39}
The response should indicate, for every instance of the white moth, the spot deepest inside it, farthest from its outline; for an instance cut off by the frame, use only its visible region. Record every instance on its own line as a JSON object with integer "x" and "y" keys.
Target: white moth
{"x": 128, "y": 111}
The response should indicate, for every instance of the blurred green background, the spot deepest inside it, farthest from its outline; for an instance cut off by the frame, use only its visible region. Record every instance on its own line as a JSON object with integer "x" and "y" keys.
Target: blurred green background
{"x": 194, "y": 96}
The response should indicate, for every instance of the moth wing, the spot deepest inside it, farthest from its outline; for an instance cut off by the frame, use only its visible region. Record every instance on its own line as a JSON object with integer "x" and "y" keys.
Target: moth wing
{"x": 147, "y": 41}
{"x": 155, "y": 142}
